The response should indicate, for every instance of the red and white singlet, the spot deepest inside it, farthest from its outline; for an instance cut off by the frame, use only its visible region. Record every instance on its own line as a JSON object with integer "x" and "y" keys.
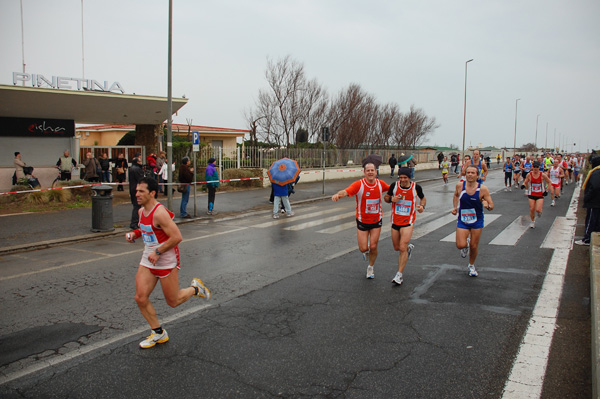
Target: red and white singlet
{"x": 368, "y": 200}
{"x": 153, "y": 236}
{"x": 405, "y": 210}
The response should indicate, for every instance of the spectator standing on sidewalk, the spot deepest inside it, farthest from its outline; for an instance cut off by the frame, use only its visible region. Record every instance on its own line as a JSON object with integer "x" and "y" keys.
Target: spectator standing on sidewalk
{"x": 136, "y": 174}
{"x": 212, "y": 176}
{"x": 160, "y": 161}
{"x": 121, "y": 167}
{"x": 591, "y": 202}
{"x": 66, "y": 163}
{"x": 92, "y": 166}
{"x": 393, "y": 162}
{"x": 186, "y": 176}
{"x": 105, "y": 166}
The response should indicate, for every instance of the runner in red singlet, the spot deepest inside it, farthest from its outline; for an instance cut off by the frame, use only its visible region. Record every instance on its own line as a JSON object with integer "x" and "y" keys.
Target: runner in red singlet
{"x": 536, "y": 180}
{"x": 368, "y": 192}
{"x": 403, "y": 197}
{"x": 160, "y": 260}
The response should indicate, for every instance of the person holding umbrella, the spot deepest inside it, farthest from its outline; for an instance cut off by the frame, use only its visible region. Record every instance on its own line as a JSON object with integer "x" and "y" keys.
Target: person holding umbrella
{"x": 369, "y": 194}
{"x": 281, "y": 173}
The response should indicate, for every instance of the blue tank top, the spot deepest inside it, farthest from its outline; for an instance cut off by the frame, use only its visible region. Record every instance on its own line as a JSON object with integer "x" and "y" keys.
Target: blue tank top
{"x": 507, "y": 167}
{"x": 527, "y": 167}
{"x": 470, "y": 208}
{"x": 479, "y": 170}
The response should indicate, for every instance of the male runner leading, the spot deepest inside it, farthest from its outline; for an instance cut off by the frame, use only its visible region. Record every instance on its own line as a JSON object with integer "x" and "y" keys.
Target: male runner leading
{"x": 470, "y": 197}
{"x": 160, "y": 260}
{"x": 403, "y": 197}
{"x": 369, "y": 212}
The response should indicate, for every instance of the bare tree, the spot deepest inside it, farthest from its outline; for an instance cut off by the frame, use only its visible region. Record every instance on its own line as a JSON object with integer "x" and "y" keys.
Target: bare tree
{"x": 290, "y": 103}
{"x": 412, "y": 128}
{"x": 352, "y": 117}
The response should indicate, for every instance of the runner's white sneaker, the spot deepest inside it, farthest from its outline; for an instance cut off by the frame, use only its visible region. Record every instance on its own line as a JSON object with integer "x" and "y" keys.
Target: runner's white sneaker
{"x": 203, "y": 292}
{"x": 472, "y": 271}
{"x": 370, "y": 272}
{"x": 465, "y": 251}
{"x": 410, "y": 248}
{"x": 154, "y": 339}
{"x": 397, "y": 278}
{"x": 553, "y": 203}
{"x": 532, "y": 225}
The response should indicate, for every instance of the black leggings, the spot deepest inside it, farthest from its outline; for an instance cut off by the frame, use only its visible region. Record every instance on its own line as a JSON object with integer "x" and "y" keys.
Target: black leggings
{"x": 508, "y": 178}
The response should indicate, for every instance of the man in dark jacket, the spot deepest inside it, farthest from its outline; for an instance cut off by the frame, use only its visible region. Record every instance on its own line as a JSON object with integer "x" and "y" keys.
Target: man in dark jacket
{"x": 591, "y": 201}
{"x": 136, "y": 174}
{"x": 186, "y": 175}
{"x": 393, "y": 162}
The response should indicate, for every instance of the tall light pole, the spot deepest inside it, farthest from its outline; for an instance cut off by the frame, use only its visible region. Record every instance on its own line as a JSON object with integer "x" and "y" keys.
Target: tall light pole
{"x": 465, "y": 112}
{"x": 170, "y": 109}
{"x": 22, "y": 40}
{"x": 515, "y": 141}
{"x": 536, "y": 126}
{"x": 82, "y": 48}
{"x": 546, "y": 142}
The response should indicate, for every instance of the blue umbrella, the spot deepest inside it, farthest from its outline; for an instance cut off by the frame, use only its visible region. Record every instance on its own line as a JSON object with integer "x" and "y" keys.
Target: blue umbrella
{"x": 283, "y": 171}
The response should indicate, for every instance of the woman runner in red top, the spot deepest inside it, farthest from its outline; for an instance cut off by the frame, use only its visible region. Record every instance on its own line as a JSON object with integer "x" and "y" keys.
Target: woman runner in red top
{"x": 368, "y": 192}
{"x": 536, "y": 180}
{"x": 403, "y": 197}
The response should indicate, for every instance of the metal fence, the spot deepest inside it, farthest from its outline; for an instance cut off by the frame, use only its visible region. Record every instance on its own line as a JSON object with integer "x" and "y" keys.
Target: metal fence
{"x": 307, "y": 158}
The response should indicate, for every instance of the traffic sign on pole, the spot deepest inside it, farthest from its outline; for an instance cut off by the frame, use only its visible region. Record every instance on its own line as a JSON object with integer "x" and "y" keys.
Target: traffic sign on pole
{"x": 196, "y": 142}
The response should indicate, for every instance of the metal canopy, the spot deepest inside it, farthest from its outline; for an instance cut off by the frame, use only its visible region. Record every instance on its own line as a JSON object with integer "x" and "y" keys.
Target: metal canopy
{"x": 84, "y": 106}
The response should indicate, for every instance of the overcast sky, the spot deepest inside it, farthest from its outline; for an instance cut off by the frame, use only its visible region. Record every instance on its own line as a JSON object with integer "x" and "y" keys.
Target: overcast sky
{"x": 545, "y": 52}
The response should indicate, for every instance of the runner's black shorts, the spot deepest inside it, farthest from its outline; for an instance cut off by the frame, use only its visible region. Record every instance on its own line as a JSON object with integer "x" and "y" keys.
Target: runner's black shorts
{"x": 398, "y": 227}
{"x": 366, "y": 227}
{"x": 535, "y": 198}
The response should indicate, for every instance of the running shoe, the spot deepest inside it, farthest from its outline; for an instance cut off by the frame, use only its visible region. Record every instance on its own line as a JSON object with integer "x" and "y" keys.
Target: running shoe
{"x": 365, "y": 256}
{"x": 370, "y": 272}
{"x": 203, "y": 292}
{"x": 275, "y": 216}
{"x": 581, "y": 242}
{"x": 410, "y": 248}
{"x": 539, "y": 214}
{"x": 154, "y": 339}
{"x": 465, "y": 251}
{"x": 472, "y": 271}
{"x": 553, "y": 203}
{"x": 397, "y": 278}
{"x": 290, "y": 214}
{"x": 510, "y": 189}
{"x": 532, "y": 225}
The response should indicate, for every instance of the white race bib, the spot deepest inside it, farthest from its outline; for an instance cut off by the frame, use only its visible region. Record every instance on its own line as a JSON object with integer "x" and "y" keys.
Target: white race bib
{"x": 468, "y": 216}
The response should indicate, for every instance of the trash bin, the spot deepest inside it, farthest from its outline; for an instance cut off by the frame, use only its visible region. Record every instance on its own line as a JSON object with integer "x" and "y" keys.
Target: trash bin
{"x": 102, "y": 211}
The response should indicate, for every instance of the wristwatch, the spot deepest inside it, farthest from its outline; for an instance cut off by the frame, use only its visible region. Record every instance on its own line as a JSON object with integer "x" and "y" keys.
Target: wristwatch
{"x": 156, "y": 251}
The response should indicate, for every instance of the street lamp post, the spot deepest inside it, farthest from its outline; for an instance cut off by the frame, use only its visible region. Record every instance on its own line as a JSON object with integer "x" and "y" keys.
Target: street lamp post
{"x": 515, "y": 141}
{"x": 536, "y": 126}
{"x": 465, "y": 112}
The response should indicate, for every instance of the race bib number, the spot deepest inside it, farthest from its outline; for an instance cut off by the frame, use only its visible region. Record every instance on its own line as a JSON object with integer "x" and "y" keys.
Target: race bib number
{"x": 403, "y": 207}
{"x": 372, "y": 206}
{"x": 536, "y": 188}
{"x": 148, "y": 235}
{"x": 468, "y": 216}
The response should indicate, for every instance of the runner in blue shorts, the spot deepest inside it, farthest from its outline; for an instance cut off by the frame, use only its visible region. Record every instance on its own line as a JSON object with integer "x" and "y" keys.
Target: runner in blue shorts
{"x": 470, "y": 197}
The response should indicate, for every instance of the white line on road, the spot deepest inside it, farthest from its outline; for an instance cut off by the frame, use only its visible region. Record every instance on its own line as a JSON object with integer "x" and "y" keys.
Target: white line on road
{"x": 526, "y": 378}
{"x": 487, "y": 220}
{"x": 318, "y": 222}
{"x": 512, "y": 234}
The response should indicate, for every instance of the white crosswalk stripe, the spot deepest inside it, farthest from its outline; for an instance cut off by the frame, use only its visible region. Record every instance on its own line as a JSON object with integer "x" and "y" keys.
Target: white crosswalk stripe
{"x": 489, "y": 218}
{"x": 512, "y": 234}
{"x": 319, "y": 222}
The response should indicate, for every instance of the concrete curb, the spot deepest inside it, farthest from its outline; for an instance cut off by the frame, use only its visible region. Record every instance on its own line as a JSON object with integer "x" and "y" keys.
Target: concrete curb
{"x": 595, "y": 309}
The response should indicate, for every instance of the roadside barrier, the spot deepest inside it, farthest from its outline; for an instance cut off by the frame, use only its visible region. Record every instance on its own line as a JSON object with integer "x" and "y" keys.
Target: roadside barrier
{"x": 167, "y": 184}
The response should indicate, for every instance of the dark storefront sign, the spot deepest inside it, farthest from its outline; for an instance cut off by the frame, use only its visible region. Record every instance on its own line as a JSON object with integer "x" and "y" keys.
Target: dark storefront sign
{"x": 36, "y": 127}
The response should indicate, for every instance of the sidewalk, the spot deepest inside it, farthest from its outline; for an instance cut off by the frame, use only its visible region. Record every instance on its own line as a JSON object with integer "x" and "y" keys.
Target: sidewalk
{"x": 31, "y": 231}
